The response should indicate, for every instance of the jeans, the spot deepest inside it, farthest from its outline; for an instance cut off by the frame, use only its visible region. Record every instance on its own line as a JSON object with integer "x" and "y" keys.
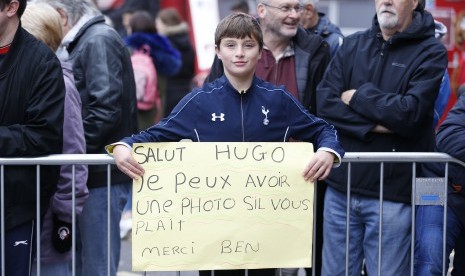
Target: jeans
{"x": 429, "y": 239}
{"x": 364, "y": 235}
{"x": 62, "y": 269}
{"x": 92, "y": 236}
{"x": 128, "y": 206}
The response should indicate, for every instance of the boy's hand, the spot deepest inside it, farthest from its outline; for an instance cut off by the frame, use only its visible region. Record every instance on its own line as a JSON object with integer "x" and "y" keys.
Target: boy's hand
{"x": 126, "y": 163}
{"x": 319, "y": 166}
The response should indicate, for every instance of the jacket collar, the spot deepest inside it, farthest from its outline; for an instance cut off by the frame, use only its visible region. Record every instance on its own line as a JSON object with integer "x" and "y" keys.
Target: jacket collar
{"x": 15, "y": 47}
{"x": 76, "y": 31}
{"x": 421, "y": 27}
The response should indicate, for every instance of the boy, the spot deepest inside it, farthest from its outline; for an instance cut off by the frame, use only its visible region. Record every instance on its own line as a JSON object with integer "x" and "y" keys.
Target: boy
{"x": 239, "y": 107}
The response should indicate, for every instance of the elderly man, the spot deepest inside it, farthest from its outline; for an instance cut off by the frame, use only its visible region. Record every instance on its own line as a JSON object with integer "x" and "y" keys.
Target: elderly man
{"x": 379, "y": 92}
{"x": 318, "y": 23}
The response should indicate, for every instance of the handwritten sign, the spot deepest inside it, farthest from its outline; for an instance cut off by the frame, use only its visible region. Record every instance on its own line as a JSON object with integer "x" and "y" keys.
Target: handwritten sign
{"x": 222, "y": 206}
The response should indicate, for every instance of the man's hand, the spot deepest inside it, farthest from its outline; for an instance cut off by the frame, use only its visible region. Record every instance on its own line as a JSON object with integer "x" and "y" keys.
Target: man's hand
{"x": 381, "y": 129}
{"x": 346, "y": 96}
{"x": 126, "y": 163}
{"x": 319, "y": 166}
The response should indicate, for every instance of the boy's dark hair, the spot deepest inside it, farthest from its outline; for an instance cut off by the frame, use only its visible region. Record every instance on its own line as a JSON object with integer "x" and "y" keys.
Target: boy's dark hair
{"x": 21, "y": 8}
{"x": 142, "y": 22}
{"x": 239, "y": 25}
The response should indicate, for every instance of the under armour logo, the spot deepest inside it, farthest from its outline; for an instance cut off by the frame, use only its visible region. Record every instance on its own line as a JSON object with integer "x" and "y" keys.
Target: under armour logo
{"x": 214, "y": 117}
{"x": 20, "y": 242}
{"x": 265, "y": 112}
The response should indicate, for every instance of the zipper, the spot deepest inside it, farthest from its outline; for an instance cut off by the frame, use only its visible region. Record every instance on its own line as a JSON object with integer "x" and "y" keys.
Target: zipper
{"x": 377, "y": 74}
{"x": 242, "y": 118}
{"x": 381, "y": 55}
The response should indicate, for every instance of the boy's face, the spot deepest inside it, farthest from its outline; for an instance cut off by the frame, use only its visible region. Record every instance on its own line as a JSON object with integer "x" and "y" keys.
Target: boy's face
{"x": 239, "y": 56}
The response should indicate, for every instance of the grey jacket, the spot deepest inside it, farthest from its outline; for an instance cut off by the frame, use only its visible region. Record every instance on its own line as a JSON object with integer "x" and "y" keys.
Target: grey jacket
{"x": 73, "y": 143}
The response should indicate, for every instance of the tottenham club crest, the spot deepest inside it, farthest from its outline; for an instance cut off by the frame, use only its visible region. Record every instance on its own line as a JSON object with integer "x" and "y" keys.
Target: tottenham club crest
{"x": 265, "y": 112}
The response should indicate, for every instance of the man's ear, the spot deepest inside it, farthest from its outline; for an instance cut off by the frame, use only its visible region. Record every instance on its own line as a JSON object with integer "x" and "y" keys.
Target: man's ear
{"x": 261, "y": 11}
{"x": 64, "y": 17}
{"x": 12, "y": 8}
{"x": 309, "y": 8}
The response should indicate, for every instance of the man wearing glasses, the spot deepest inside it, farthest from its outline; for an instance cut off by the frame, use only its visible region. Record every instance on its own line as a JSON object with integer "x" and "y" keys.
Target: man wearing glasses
{"x": 291, "y": 56}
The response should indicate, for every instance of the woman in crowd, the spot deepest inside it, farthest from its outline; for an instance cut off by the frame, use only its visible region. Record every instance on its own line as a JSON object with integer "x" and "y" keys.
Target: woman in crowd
{"x": 170, "y": 24}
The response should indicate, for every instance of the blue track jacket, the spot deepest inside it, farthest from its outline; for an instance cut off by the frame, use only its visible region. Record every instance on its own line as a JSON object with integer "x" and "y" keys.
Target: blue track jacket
{"x": 217, "y": 112}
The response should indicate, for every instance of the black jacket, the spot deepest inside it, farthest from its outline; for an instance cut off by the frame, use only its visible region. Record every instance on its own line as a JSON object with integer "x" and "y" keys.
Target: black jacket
{"x": 179, "y": 85}
{"x": 396, "y": 84}
{"x": 311, "y": 60}
{"x": 104, "y": 78}
{"x": 31, "y": 121}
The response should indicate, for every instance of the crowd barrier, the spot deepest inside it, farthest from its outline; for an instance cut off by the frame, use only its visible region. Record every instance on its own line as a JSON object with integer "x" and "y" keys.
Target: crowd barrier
{"x": 415, "y": 158}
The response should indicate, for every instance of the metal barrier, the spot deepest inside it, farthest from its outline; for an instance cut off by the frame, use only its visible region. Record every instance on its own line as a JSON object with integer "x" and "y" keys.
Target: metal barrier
{"x": 399, "y": 157}
{"x": 61, "y": 159}
{"x": 103, "y": 159}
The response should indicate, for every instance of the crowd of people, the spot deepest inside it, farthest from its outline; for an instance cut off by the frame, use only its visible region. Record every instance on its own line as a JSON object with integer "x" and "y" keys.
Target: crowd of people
{"x": 378, "y": 90}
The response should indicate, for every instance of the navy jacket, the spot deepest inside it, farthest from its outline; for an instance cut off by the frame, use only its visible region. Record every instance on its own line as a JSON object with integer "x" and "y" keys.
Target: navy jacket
{"x": 217, "y": 112}
{"x": 450, "y": 139}
{"x": 396, "y": 84}
{"x": 32, "y": 94}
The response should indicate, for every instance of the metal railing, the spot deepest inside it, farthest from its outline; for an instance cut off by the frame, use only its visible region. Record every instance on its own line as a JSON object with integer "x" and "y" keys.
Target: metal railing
{"x": 102, "y": 159}
{"x": 60, "y": 159}
{"x": 399, "y": 157}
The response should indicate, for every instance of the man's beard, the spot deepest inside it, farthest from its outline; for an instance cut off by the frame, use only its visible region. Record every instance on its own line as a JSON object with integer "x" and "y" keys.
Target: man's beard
{"x": 388, "y": 22}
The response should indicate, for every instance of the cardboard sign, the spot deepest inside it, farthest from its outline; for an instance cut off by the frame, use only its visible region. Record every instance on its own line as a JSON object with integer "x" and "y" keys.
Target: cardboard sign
{"x": 222, "y": 206}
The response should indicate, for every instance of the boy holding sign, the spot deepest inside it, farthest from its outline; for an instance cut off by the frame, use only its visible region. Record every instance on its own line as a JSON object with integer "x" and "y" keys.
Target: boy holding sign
{"x": 238, "y": 107}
